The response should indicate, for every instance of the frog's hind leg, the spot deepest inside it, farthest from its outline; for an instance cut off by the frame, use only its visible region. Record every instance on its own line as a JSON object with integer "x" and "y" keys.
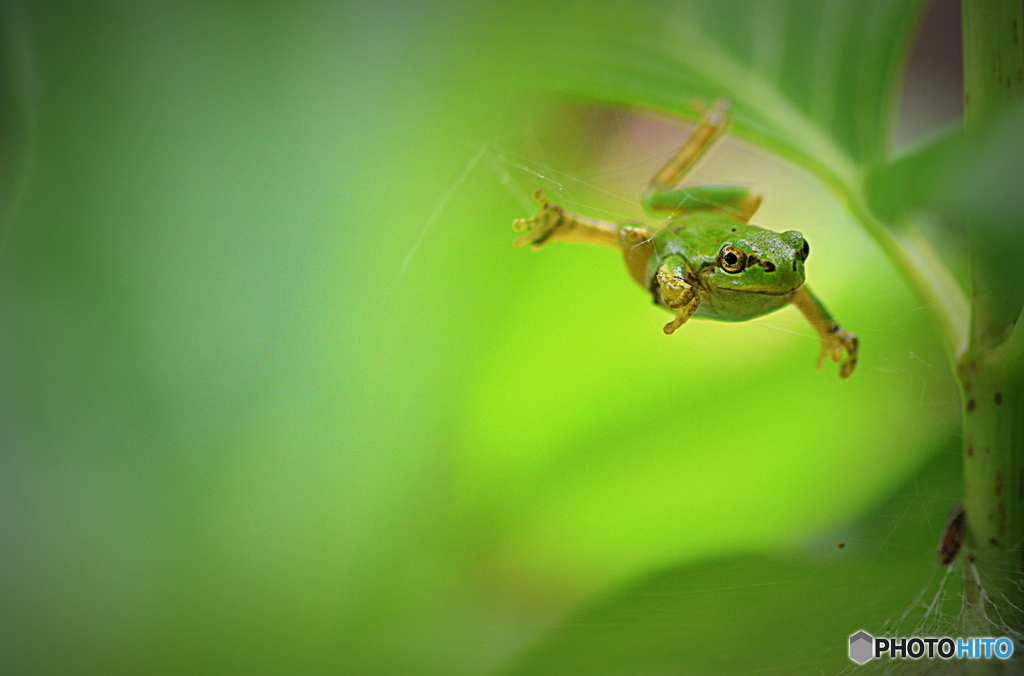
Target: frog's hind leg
{"x": 666, "y": 197}
{"x": 637, "y": 244}
{"x": 713, "y": 123}
{"x": 554, "y": 224}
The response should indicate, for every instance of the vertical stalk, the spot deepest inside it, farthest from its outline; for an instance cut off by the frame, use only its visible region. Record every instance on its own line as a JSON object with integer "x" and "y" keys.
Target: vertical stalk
{"x": 993, "y": 50}
{"x": 991, "y": 371}
{"x": 992, "y": 57}
{"x": 993, "y": 389}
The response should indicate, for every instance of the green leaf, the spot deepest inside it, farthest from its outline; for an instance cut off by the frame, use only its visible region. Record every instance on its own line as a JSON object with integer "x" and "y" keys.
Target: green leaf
{"x": 810, "y": 80}
{"x": 772, "y": 613}
{"x": 970, "y": 179}
{"x": 911, "y": 182}
{"x": 18, "y": 112}
{"x": 971, "y": 175}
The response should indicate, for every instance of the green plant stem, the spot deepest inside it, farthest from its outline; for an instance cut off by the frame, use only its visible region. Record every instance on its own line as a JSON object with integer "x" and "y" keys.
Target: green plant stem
{"x": 991, "y": 372}
{"x": 993, "y": 392}
{"x": 992, "y": 57}
{"x": 993, "y": 83}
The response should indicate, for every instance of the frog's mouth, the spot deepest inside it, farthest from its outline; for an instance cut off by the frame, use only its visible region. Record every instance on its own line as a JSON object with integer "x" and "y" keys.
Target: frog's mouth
{"x": 762, "y": 292}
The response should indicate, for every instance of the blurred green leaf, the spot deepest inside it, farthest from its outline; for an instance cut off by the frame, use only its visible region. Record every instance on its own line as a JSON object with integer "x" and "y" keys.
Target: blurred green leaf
{"x": 912, "y": 181}
{"x": 972, "y": 176}
{"x": 18, "y": 111}
{"x": 810, "y": 80}
{"x": 970, "y": 179}
{"x": 772, "y": 613}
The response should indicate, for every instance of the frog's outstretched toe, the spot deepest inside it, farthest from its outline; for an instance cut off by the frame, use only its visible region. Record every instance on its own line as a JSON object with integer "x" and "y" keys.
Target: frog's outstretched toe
{"x": 537, "y": 229}
{"x": 835, "y": 345}
{"x": 717, "y": 114}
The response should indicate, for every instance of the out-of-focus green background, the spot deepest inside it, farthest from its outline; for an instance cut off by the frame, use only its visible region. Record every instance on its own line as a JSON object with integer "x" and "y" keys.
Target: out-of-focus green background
{"x": 278, "y": 396}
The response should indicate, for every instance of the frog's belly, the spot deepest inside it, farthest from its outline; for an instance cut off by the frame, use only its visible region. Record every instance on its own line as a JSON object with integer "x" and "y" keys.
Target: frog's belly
{"x": 738, "y": 306}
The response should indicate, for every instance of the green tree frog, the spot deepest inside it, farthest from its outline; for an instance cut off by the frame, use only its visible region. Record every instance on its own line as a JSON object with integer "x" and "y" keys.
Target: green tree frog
{"x": 706, "y": 260}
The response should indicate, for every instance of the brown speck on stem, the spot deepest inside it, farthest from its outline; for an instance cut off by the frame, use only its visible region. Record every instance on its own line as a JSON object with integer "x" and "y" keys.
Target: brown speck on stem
{"x": 999, "y": 398}
{"x": 970, "y": 405}
{"x": 952, "y": 535}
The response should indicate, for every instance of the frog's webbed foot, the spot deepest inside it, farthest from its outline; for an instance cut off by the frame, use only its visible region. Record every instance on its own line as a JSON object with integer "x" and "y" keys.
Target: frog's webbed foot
{"x": 834, "y": 343}
{"x": 553, "y": 223}
{"x": 539, "y": 227}
{"x": 677, "y": 295}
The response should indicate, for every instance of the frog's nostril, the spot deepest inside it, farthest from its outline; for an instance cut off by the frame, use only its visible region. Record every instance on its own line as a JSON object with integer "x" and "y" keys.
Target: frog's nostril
{"x": 768, "y": 266}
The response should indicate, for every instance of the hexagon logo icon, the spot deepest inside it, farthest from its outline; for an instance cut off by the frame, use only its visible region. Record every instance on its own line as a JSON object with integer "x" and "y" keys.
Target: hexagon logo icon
{"x": 861, "y": 647}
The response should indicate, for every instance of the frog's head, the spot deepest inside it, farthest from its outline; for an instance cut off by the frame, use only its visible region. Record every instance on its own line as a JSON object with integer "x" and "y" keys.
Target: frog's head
{"x": 755, "y": 260}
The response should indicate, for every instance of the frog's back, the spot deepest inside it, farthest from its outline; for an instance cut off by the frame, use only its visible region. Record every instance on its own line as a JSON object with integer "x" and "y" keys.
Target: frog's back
{"x": 696, "y": 236}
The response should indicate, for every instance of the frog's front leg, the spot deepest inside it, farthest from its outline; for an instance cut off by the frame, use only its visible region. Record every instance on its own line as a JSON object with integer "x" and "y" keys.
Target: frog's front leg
{"x": 675, "y": 292}
{"x": 834, "y": 340}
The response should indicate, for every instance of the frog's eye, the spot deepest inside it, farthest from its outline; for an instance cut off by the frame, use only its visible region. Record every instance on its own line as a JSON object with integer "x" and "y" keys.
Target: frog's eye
{"x": 805, "y": 251}
{"x": 732, "y": 259}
